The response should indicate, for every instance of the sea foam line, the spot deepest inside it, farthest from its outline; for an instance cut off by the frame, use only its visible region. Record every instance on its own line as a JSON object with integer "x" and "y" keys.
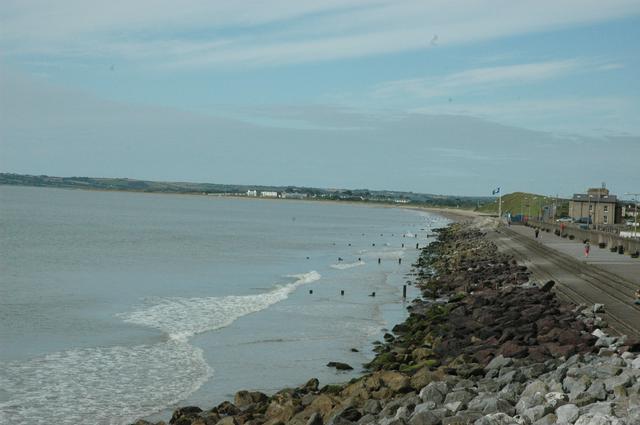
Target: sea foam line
{"x": 181, "y": 318}
{"x": 345, "y": 266}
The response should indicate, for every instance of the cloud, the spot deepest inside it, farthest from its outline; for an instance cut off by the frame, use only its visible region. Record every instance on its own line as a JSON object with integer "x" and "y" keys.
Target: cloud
{"x": 478, "y": 78}
{"x": 213, "y": 34}
{"x": 45, "y": 129}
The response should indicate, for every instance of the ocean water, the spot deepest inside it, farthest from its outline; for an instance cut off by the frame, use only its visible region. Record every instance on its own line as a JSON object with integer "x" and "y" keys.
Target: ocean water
{"x": 116, "y": 306}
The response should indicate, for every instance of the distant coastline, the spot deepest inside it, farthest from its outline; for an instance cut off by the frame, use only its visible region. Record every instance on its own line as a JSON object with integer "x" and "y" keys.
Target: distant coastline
{"x": 359, "y": 196}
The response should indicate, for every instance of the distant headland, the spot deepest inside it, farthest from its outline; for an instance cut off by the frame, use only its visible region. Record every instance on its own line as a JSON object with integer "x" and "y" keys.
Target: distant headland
{"x": 252, "y": 191}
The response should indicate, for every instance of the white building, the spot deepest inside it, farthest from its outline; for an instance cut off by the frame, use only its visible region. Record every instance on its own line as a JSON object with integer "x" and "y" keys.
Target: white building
{"x": 252, "y": 193}
{"x": 267, "y": 194}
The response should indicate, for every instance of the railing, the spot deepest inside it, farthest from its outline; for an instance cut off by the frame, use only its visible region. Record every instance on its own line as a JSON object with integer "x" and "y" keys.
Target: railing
{"x": 599, "y": 237}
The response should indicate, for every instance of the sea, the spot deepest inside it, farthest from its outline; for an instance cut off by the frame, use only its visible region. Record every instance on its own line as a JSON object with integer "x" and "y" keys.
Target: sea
{"x": 117, "y": 306}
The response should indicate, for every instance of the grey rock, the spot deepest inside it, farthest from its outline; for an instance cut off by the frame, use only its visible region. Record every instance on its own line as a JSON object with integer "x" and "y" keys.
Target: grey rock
{"x": 367, "y": 419}
{"x": 536, "y": 412}
{"x": 454, "y": 406}
{"x": 559, "y": 373}
{"x": 403, "y": 412}
{"x": 511, "y": 392}
{"x": 434, "y": 391}
{"x": 549, "y": 419}
{"x": 605, "y": 341}
{"x": 427, "y": 405}
{"x": 636, "y": 363}
{"x": 499, "y": 362}
{"x": 463, "y": 396}
{"x": 568, "y": 413}
{"x": 626, "y": 379}
{"x": 441, "y": 413}
{"x": 575, "y": 386}
{"x": 392, "y": 421}
{"x": 598, "y": 390}
{"x": 598, "y": 419}
{"x": 555, "y": 399}
{"x": 603, "y": 408}
{"x": 528, "y": 402}
{"x": 488, "y": 386}
{"x": 372, "y": 407}
{"x": 424, "y": 418}
{"x": 605, "y": 371}
{"x": 492, "y": 374}
{"x": 583, "y": 399}
{"x": 598, "y": 333}
{"x": 534, "y": 387}
{"x": 633, "y": 413}
{"x": 487, "y": 403}
{"x": 534, "y": 371}
{"x": 462, "y": 418}
{"x": 495, "y": 419}
{"x": 620, "y": 392}
{"x": 464, "y": 384}
{"x": 510, "y": 376}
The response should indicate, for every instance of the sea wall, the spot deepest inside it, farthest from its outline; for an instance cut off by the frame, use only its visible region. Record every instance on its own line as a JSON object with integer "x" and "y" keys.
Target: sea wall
{"x": 484, "y": 345}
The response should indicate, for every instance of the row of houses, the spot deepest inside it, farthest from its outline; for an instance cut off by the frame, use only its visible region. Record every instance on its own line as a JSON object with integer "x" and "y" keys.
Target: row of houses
{"x": 273, "y": 194}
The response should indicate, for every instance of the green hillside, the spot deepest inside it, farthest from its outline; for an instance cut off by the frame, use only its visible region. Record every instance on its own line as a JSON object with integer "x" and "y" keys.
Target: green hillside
{"x": 524, "y": 203}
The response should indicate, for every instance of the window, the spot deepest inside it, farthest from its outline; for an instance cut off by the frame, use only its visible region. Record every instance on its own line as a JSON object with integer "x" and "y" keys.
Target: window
{"x": 605, "y": 219}
{"x": 606, "y": 208}
{"x": 590, "y": 207}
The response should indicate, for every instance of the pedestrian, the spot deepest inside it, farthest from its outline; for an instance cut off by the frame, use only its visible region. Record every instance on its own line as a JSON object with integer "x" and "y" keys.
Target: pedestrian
{"x": 587, "y": 248}
{"x": 537, "y": 232}
{"x": 637, "y": 301}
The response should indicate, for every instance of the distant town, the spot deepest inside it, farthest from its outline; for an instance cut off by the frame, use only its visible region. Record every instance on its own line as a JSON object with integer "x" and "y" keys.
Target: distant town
{"x": 251, "y": 191}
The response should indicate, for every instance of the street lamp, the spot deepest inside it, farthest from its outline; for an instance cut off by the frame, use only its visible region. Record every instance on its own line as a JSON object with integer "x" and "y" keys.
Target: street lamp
{"x": 533, "y": 199}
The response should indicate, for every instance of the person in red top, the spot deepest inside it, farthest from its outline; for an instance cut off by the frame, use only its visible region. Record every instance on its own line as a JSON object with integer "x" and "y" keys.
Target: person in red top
{"x": 587, "y": 248}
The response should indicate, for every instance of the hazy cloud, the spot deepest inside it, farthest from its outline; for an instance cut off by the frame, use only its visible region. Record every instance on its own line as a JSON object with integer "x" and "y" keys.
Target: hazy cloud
{"x": 199, "y": 33}
{"x": 46, "y": 129}
{"x": 481, "y": 78}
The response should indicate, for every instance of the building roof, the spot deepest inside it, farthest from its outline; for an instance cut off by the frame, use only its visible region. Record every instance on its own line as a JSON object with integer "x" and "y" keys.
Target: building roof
{"x": 581, "y": 197}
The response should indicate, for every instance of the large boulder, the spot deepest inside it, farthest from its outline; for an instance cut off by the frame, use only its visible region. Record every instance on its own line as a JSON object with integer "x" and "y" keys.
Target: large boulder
{"x": 395, "y": 381}
{"x": 185, "y": 412}
{"x": 598, "y": 419}
{"x": 424, "y": 418}
{"x": 568, "y": 413}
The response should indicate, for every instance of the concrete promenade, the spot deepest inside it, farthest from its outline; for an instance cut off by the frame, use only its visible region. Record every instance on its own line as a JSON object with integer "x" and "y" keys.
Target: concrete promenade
{"x": 605, "y": 277}
{"x": 620, "y": 264}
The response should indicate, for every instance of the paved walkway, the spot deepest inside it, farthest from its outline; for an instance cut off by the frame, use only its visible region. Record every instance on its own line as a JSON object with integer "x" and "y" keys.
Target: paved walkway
{"x": 622, "y": 265}
{"x": 611, "y": 281}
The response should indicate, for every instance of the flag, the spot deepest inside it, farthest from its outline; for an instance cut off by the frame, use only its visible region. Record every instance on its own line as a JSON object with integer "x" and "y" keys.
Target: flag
{"x": 495, "y": 192}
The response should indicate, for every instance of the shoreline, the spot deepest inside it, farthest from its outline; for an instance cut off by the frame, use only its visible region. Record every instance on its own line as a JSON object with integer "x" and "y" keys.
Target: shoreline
{"x": 452, "y": 211}
{"x": 480, "y": 328}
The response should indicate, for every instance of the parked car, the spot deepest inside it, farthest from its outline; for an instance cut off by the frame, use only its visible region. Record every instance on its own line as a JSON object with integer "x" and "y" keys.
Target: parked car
{"x": 564, "y": 220}
{"x": 584, "y": 220}
{"x": 632, "y": 223}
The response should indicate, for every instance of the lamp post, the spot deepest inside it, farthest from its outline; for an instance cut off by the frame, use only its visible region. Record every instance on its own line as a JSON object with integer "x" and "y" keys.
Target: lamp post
{"x": 529, "y": 213}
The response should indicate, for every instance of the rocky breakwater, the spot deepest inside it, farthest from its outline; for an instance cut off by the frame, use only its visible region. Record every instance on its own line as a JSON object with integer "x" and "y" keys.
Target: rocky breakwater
{"x": 484, "y": 346}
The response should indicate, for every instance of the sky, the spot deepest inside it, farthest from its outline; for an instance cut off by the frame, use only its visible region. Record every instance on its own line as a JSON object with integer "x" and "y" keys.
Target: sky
{"x": 445, "y": 97}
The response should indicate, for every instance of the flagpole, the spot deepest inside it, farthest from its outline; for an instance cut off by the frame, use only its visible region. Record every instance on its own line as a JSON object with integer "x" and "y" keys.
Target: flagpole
{"x": 500, "y": 206}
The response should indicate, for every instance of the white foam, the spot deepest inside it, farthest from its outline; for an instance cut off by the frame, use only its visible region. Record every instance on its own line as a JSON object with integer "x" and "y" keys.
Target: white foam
{"x": 182, "y": 318}
{"x": 345, "y": 266}
{"x": 117, "y": 385}
{"x": 103, "y": 385}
